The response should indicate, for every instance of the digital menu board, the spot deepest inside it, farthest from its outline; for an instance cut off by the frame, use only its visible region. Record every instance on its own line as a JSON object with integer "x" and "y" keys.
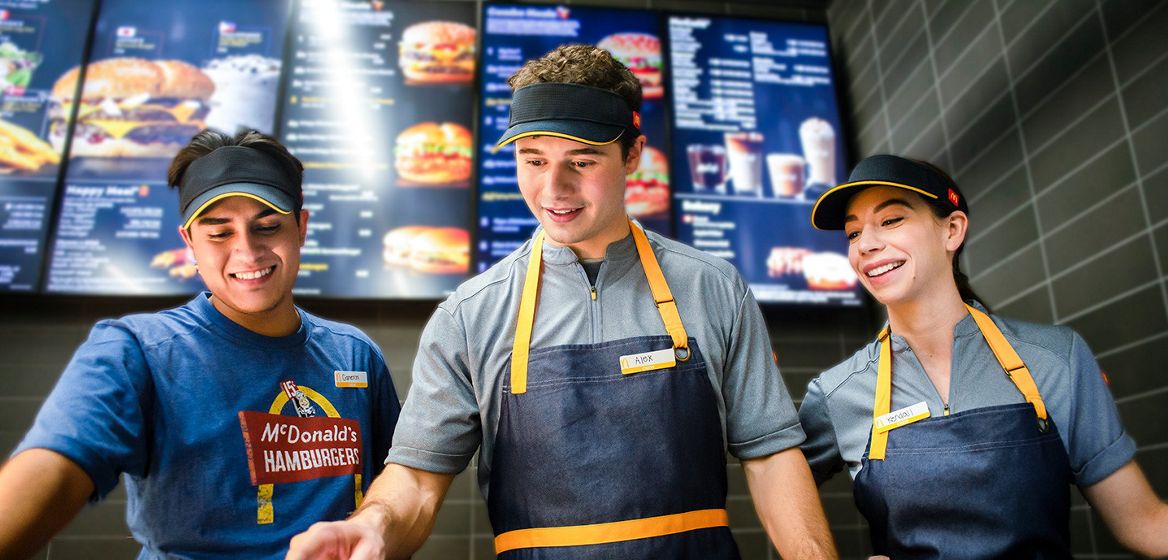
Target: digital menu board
{"x": 515, "y": 33}
{"x": 379, "y": 106}
{"x": 38, "y": 41}
{"x": 156, "y": 76}
{"x": 756, "y": 138}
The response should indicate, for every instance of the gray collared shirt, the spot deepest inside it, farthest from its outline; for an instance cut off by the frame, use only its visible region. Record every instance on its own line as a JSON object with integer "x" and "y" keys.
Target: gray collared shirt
{"x": 453, "y": 405}
{"x": 837, "y": 410}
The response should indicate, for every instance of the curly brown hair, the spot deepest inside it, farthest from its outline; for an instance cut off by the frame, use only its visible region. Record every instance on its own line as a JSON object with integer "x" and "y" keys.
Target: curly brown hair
{"x": 585, "y": 65}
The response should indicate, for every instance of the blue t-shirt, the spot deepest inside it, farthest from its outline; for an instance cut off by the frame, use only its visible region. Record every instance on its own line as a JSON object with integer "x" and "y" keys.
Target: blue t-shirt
{"x": 231, "y": 442}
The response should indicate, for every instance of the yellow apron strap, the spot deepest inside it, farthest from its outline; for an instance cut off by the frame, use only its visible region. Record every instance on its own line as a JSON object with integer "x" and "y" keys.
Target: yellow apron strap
{"x": 883, "y": 404}
{"x": 617, "y": 531}
{"x": 661, "y": 294}
{"x": 1011, "y": 363}
{"x": 521, "y": 348}
{"x": 522, "y": 343}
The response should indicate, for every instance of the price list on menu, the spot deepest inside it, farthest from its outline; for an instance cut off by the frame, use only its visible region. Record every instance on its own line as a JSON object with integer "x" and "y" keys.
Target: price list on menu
{"x": 755, "y": 140}
{"x": 378, "y": 108}
{"x": 38, "y": 41}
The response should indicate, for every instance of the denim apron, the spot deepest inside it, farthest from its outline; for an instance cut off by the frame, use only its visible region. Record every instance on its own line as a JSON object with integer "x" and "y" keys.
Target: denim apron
{"x": 991, "y": 482}
{"x": 609, "y": 450}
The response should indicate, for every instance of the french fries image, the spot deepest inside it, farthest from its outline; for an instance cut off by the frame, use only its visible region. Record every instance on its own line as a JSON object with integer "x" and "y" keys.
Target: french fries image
{"x": 22, "y": 150}
{"x": 171, "y": 258}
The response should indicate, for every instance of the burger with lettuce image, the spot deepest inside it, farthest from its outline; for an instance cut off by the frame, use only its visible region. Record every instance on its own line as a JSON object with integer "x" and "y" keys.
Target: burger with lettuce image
{"x": 16, "y": 67}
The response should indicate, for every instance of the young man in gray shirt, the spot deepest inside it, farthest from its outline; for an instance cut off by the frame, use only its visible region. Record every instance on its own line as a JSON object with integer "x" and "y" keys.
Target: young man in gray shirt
{"x": 601, "y": 371}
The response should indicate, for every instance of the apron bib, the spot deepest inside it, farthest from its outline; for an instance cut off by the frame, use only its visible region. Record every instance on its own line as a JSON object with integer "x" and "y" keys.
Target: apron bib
{"x": 991, "y": 482}
{"x": 610, "y": 450}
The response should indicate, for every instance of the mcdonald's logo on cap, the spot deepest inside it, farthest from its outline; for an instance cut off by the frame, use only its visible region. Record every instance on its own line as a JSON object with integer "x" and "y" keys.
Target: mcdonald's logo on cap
{"x": 954, "y": 198}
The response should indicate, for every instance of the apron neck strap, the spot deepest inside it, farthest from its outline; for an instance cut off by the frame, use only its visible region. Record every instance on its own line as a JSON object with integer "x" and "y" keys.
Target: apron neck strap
{"x": 1007, "y": 358}
{"x": 666, "y": 306}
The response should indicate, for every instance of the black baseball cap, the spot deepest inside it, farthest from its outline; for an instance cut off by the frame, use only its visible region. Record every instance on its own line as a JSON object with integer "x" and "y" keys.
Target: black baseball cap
{"x": 886, "y": 171}
{"x": 577, "y": 112}
{"x": 236, "y": 171}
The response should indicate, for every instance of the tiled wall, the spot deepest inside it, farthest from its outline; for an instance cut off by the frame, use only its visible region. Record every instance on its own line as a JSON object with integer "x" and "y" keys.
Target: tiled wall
{"x": 1053, "y": 117}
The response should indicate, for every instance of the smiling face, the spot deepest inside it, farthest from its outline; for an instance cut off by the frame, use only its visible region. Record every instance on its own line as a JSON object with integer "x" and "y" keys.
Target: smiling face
{"x": 248, "y": 256}
{"x": 576, "y": 191}
{"x": 900, "y": 250}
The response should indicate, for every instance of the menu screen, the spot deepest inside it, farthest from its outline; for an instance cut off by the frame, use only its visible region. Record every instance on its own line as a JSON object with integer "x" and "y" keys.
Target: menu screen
{"x": 513, "y": 34}
{"x": 379, "y": 106}
{"x": 756, "y": 139}
{"x": 38, "y": 41}
{"x": 155, "y": 77}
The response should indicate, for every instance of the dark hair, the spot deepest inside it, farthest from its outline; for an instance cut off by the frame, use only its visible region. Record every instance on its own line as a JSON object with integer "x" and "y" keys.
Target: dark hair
{"x": 585, "y": 65}
{"x": 942, "y": 210}
{"x": 208, "y": 140}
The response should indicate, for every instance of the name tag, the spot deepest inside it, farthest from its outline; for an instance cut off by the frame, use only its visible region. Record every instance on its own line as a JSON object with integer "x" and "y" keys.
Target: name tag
{"x": 898, "y": 418}
{"x": 636, "y": 363}
{"x": 351, "y": 379}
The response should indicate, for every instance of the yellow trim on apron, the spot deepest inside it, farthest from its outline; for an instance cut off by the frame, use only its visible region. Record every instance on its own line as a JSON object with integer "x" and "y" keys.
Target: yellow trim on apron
{"x": 1011, "y": 363}
{"x": 617, "y": 531}
{"x": 662, "y": 296}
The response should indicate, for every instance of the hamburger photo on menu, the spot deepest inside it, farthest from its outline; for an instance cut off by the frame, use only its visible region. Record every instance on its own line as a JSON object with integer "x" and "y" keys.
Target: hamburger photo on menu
{"x": 437, "y": 52}
{"x": 647, "y": 188}
{"x": 431, "y": 154}
{"x": 131, "y": 107}
{"x": 427, "y": 249}
{"x": 641, "y": 53}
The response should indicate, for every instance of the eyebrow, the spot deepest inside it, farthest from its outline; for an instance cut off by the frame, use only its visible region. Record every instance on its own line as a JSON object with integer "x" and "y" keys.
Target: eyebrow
{"x": 214, "y": 221}
{"x": 577, "y": 152}
{"x": 881, "y": 206}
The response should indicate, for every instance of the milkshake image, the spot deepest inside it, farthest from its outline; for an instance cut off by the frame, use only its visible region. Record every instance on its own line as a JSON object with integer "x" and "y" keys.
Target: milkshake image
{"x": 245, "y": 92}
{"x": 818, "y": 139}
{"x": 744, "y": 152}
{"x": 707, "y": 168}
{"x": 787, "y": 172}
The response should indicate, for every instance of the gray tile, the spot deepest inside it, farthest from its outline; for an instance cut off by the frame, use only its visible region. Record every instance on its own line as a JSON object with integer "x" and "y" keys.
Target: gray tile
{"x": 1122, "y": 321}
{"x": 1136, "y": 370}
{"x": 752, "y": 544}
{"x": 1027, "y": 48}
{"x": 906, "y": 128}
{"x": 1141, "y": 45}
{"x": 17, "y": 414}
{"x": 897, "y": 41}
{"x": 916, "y": 51}
{"x": 1059, "y": 64}
{"x": 1160, "y": 235}
{"x": 885, "y": 14}
{"x": 977, "y": 19}
{"x": 862, "y": 82}
{"x": 1095, "y": 231}
{"x": 1002, "y": 240}
{"x": 66, "y": 548}
{"x": 904, "y": 96}
{"x": 1155, "y": 464}
{"x": 453, "y": 519}
{"x": 484, "y": 548}
{"x": 1017, "y": 15}
{"x": 973, "y": 137}
{"x": 1144, "y": 97}
{"x": 1017, "y": 273}
{"x": 443, "y": 547}
{"x": 852, "y": 542}
{"x": 742, "y": 513}
{"x": 1082, "y": 541}
{"x": 944, "y": 15}
{"x": 1009, "y": 194}
{"x": 106, "y": 519}
{"x": 873, "y": 139}
{"x": 1151, "y": 145}
{"x": 964, "y": 99}
{"x": 871, "y": 109}
{"x": 34, "y": 380}
{"x": 1118, "y": 270}
{"x": 925, "y": 145}
{"x": 1097, "y": 180}
{"x": 1083, "y": 141}
{"x": 1000, "y": 159}
{"x": 1120, "y": 15}
{"x": 1143, "y": 417}
{"x": 1033, "y": 307}
{"x": 1075, "y": 98}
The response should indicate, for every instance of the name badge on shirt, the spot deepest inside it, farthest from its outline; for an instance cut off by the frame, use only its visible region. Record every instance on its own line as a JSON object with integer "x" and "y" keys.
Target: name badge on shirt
{"x": 658, "y": 359}
{"x": 351, "y": 379}
{"x": 904, "y": 416}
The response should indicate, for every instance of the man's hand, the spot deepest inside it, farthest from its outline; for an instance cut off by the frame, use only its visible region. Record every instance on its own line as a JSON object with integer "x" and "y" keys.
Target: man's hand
{"x": 338, "y": 540}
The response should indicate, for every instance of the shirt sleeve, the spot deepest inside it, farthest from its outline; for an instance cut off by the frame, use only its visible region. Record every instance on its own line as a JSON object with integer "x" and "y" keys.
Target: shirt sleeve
{"x": 821, "y": 446}
{"x": 1098, "y": 444}
{"x": 440, "y": 428}
{"x": 95, "y": 414}
{"x": 760, "y": 417}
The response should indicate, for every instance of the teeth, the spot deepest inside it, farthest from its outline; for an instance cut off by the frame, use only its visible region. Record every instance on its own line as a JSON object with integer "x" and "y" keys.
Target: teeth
{"x": 878, "y": 271}
{"x": 254, "y": 275}
{"x": 561, "y": 212}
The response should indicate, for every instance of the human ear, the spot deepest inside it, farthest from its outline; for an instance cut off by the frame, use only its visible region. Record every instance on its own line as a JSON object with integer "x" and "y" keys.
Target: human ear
{"x": 957, "y": 226}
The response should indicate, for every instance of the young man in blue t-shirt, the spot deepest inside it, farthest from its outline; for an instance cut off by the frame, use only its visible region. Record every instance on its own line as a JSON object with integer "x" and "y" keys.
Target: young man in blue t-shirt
{"x": 237, "y": 419}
